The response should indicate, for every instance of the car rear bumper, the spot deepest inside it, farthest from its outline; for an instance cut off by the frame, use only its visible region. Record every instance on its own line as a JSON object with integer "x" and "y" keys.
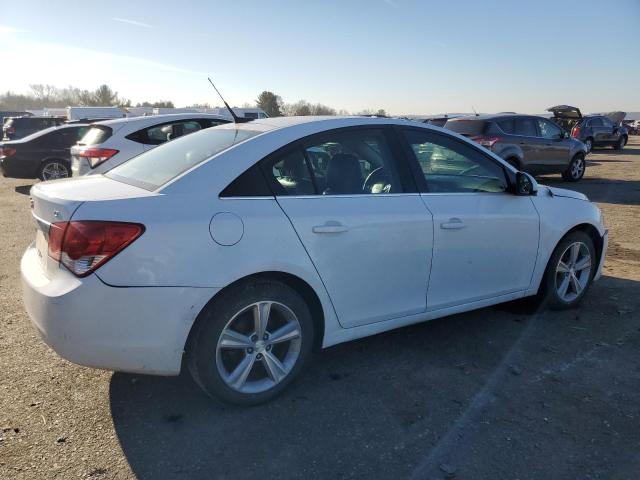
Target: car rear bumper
{"x": 605, "y": 244}
{"x": 133, "y": 329}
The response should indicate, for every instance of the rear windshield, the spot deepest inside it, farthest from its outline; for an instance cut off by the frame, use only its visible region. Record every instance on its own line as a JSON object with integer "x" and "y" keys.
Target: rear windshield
{"x": 95, "y": 135}
{"x": 156, "y": 167}
{"x": 468, "y": 128}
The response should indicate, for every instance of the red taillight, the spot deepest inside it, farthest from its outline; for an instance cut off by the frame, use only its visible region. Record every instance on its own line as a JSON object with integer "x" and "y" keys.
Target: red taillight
{"x": 96, "y": 156}
{"x": 83, "y": 246}
{"x": 487, "y": 142}
{"x": 575, "y": 133}
{"x": 7, "y": 151}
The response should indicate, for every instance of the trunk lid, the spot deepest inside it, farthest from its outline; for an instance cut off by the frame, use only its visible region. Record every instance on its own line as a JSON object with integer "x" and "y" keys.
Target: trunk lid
{"x": 565, "y": 111}
{"x": 57, "y": 201}
{"x": 616, "y": 117}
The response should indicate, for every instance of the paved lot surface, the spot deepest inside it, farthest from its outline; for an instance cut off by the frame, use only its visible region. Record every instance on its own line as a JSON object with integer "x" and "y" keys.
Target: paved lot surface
{"x": 493, "y": 394}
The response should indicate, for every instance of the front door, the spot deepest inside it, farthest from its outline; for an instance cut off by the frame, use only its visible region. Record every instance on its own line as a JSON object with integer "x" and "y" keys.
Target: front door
{"x": 529, "y": 141}
{"x": 554, "y": 144}
{"x": 485, "y": 238}
{"x": 369, "y": 238}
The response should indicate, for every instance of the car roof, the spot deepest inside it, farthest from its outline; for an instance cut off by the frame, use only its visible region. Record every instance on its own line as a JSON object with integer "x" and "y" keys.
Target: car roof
{"x": 46, "y": 131}
{"x": 153, "y": 119}
{"x": 488, "y": 116}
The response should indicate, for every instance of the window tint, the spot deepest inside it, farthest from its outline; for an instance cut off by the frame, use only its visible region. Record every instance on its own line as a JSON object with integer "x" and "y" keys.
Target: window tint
{"x": 466, "y": 127}
{"x": 507, "y": 126}
{"x": 450, "y": 166}
{"x": 250, "y": 184}
{"x": 156, "y": 167}
{"x": 548, "y": 129}
{"x": 206, "y": 123}
{"x": 596, "y": 122}
{"x": 525, "y": 126}
{"x": 606, "y": 122}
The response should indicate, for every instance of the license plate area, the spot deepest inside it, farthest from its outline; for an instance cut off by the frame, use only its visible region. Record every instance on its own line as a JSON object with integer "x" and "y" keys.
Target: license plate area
{"x": 42, "y": 245}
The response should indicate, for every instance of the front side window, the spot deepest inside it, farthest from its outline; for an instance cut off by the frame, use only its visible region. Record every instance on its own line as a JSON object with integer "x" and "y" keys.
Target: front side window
{"x": 525, "y": 127}
{"x": 548, "y": 129}
{"x": 596, "y": 122}
{"x": 450, "y": 166}
{"x": 158, "y": 166}
{"x": 344, "y": 162}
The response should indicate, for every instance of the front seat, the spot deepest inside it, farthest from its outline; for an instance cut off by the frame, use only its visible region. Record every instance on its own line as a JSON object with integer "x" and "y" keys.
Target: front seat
{"x": 343, "y": 175}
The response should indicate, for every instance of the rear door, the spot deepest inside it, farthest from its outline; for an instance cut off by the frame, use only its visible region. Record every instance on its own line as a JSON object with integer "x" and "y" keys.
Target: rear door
{"x": 352, "y": 201}
{"x": 530, "y": 143}
{"x": 485, "y": 238}
{"x": 601, "y": 134}
{"x": 610, "y": 130}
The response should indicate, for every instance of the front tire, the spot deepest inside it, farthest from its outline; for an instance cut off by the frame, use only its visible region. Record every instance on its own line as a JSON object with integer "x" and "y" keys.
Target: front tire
{"x": 53, "y": 170}
{"x": 251, "y": 342}
{"x": 570, "y": 271}
{"x": 620, "y": 145}
{"x": 575, "y": 170}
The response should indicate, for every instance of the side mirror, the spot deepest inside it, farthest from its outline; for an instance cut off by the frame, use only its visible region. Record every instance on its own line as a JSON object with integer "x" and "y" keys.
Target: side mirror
{"x": 525, "y": 184}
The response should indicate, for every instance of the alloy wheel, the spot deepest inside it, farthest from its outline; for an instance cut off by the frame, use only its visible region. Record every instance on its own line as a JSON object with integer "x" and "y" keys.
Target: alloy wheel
{"x": 573, "y": 272}
{"x": 258, "y": 347}
{"x": 577, "y": 168}
{"x": 54, "y": 170}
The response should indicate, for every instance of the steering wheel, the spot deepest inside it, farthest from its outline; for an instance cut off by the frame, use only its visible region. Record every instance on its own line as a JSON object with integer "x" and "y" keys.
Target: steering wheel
{"x": 377, "y": 176}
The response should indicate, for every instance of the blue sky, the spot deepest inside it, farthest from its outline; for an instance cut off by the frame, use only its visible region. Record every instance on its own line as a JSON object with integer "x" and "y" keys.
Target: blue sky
{"x": 406, "y": 56}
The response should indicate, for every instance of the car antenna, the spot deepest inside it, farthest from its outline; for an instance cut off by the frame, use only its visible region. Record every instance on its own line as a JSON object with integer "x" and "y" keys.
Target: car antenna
{"x": 474, "y": 110}
{"x": 236, "y": 119}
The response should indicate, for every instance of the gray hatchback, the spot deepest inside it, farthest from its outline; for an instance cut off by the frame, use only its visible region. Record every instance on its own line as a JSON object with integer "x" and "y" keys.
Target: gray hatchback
{"x": 531, "y": 144}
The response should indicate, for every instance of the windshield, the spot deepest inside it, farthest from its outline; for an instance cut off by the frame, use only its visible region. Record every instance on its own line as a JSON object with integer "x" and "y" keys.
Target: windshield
{"x": 156, "y": 167}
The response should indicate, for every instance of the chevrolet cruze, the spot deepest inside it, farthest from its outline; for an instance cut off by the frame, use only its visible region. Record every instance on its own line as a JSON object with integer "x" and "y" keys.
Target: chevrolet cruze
{"x": 238, "y": 250}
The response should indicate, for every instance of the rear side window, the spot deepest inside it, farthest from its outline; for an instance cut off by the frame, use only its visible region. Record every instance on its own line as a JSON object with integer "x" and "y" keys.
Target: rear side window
{"x": 343, "y": 162}
{"x": 468, "y": 128}
{"x": 596, "y": 122}
{"x": 96, "y": 135}
{"x": 507, "y": 126}
{"x": 526, "y": 127}
{"x": 156, "y": 167}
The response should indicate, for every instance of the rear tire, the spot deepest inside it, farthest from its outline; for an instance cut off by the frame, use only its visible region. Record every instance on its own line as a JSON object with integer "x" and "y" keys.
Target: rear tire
{"x": 575, "y": 170}
{"x": 570, "y": 271}
{"x": 230, "y": 355}
{"x": 54, "y": 169}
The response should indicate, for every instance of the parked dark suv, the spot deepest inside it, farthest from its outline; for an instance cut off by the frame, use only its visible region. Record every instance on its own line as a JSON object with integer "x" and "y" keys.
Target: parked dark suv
{"x": 19, "y": 127}
{"x": 529, "y": 143}
{"x": 593, "y": 130}
{"x": 44, "y": 154}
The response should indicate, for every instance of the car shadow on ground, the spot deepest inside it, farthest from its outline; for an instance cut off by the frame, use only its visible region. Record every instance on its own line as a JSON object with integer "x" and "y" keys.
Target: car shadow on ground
{"x": 384, "y": 406}
{"x": 23, "y": 189}
{"x": 621, "y": 192}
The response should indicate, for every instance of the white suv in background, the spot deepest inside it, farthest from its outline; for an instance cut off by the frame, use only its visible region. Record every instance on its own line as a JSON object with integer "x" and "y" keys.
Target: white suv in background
{"x": 112, "y": 142}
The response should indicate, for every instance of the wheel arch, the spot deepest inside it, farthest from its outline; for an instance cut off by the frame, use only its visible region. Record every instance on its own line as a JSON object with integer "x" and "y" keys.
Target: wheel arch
{"x": 293, "y": 281}
{"x": 587, "y": 228}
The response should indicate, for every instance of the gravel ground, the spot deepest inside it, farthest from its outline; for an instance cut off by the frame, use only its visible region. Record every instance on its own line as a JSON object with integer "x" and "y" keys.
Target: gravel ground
{"x": 497, "y": 393}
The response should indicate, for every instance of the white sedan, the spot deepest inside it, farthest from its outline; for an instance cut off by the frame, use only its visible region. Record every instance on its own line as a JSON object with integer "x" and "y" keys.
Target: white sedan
{"x": 237, "y": 250}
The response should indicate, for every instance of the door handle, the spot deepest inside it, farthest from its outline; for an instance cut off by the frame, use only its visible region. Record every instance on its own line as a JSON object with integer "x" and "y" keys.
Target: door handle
{"x": 330, "y": 227}
{"x": 453, "y": 224}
